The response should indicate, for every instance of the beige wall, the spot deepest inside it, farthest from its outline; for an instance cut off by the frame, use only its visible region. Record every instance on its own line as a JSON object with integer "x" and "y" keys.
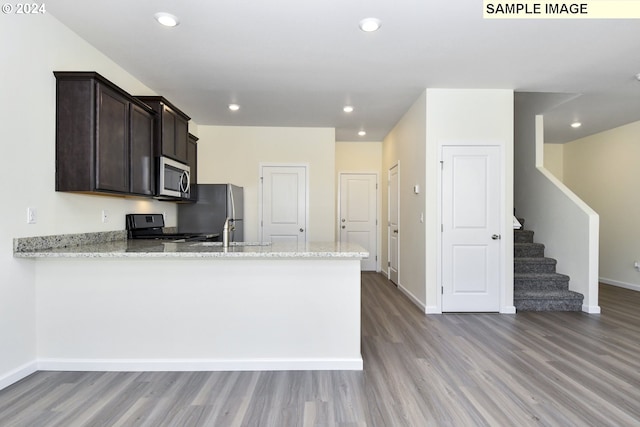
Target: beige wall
{"x": 554, "y": 158}
{"x": 468, "y": 117}
{"x": 358, "y": 156}
{"x": 440, "y": 117}
{"x": 32, "y": 49}
{"x": 405, "y": 145}
{"x": 361, "y": 157}
{"x": 234, "y": 153}
{"x": 604, "y": 170}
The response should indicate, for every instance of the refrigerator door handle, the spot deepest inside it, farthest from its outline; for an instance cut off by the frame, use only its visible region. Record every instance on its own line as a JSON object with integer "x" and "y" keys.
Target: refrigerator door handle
{"x": 233, "y": 205}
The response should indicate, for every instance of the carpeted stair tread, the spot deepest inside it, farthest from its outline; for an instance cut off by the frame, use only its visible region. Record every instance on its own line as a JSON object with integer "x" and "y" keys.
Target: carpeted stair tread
{"x": 528, "y": 250}
{"x": 519, "y": 295}
{"x": 536, "y": 285}
{"x": 541, "y": 276}
{"x": 534, "y": 265}
{"x": 523, "y": 236}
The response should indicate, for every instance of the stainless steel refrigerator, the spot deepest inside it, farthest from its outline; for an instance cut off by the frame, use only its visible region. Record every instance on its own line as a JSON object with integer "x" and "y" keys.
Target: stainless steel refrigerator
{"x": 216, "y": 203}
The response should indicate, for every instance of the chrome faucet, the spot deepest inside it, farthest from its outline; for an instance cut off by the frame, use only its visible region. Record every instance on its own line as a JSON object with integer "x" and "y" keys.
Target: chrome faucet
{"x": 225, "y": 232}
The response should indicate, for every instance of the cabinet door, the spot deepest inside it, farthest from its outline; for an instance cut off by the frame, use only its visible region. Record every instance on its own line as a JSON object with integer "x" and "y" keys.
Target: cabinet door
{"x": 112, "y": 150}
{"x": 168, "y": 136}
{"x": 141, "y": 149}
{"x": 182, "y": 131}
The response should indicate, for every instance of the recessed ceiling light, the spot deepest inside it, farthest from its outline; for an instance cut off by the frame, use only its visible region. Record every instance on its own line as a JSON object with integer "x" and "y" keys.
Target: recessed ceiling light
{"x": 348, "y": 109}
{"x": 166, "y": 19}
{"x": 234, "y": 107}
{"x": 369, "y": 25}
{"x": 576, "y": 125}
{"x": 362, "y": 133}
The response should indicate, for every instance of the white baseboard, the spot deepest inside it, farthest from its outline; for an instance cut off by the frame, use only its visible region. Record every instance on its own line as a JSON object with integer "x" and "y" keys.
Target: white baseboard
{"x": 413, "y": 298}
{"x": 619, "y": 284}
{"x": 591, "y": 309}
{"x": 137, "y": 365}
{"x": 432, "y": 309}
{"x": 508, "y": 309}
{"x": 17, "y": 374}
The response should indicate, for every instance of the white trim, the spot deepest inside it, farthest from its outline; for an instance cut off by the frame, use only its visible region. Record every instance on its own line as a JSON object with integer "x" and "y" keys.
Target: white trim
{"x": 591, "y": 309}
{"x": 181, "y": 365}
{"x": 412, "y": 297}
{"x": 508, "y": 309}
{"x": 378, "y": 211}
{"x": 619, "y": 284}
{"x": 432, "y": 309}
{"x": 396, "y": 165}
{"x": 17, "y": 374}
{"x": 261, "y": 165}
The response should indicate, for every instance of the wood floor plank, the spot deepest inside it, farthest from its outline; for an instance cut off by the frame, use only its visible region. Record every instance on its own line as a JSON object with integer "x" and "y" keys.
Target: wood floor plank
{"x": 528, "y": 369}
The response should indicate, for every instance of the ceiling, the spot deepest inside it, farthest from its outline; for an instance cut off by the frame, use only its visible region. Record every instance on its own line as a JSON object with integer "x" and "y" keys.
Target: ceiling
{"x": 298, "y": 62}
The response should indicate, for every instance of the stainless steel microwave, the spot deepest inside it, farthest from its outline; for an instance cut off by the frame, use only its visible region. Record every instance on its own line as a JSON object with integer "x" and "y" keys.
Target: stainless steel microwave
{"x": 174, "y": 179}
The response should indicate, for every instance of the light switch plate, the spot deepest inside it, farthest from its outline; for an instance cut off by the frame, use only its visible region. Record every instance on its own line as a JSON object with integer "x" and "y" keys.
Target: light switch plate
{"x": 32, "y": 216}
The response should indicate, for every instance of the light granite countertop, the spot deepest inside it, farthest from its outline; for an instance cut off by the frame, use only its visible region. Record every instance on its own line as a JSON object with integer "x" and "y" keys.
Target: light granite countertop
{"x": 159, "y": 249}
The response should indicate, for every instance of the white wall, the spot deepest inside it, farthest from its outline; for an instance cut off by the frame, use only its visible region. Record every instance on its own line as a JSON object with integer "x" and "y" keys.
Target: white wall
{"x": 566, "y": 225}
{"x": 406, "y": 144}
{"x": 234, "y": 154}
{"x": 468, "y": 117}
{"x": 33, "y": 47}
{"x": 604, "y": 171}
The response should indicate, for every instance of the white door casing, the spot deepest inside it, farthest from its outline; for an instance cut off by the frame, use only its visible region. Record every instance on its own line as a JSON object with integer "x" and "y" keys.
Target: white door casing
{"x": 284, "y": 203}
{"x": 358, "y": 209}
{"x": 471, "y": 227}
{"x": 393, "y": 228}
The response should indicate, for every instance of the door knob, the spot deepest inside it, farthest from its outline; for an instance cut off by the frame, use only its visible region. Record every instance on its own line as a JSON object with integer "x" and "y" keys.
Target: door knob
{"x": 343, "y": 220}
{"x": 344, "y": 226}
{"x": 496, "y": 237}
{"x": 395, "y": 231}
{"x": 302, "y": 230}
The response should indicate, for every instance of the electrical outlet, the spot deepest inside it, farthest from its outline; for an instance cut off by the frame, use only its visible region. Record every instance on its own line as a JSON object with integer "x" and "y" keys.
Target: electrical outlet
{"x": 105, "y": 216}
{"x": 32, "y": 216}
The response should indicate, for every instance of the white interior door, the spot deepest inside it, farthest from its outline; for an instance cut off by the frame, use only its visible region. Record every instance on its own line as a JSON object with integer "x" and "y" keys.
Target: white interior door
{"x": 394, "y": 224}
{"x": 471, "y": 228}
{"x": 358, "y": 214}
{"x": 284, "y": 203}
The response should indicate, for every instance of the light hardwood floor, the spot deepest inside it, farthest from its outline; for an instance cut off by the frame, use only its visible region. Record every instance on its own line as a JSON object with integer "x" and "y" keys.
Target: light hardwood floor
{"x": 547, "y": 369}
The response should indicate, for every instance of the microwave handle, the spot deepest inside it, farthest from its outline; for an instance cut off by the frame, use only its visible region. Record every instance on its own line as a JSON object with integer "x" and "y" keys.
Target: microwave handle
{"x": 185, "y": 179}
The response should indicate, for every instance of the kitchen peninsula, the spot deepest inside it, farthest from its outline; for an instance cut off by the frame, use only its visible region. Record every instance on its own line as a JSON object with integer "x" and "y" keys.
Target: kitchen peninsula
{"x": 145, "y": 305}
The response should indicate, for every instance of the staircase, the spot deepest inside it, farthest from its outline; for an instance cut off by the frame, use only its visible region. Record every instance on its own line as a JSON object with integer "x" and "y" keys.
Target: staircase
{"x": 537, "y": 286}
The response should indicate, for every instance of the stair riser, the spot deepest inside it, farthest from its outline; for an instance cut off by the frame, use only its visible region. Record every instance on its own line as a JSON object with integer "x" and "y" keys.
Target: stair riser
{"x": 533, "y": 267}
{"x": 540, "y": 285}
{"x": 523, "y": 236}
{"x": 548, "y": 305}
{"x": 528, "y": 251}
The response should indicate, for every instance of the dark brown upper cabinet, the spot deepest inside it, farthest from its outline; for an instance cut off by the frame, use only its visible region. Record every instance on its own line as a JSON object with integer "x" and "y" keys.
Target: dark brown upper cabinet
{"x": 171, "y": 129}
{"x": 104, "y": 137}
{"x": 192, "y": 161}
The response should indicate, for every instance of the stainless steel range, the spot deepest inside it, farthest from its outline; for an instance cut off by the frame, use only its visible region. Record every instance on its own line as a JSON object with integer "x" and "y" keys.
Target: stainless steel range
{"x": 151, "y": 226}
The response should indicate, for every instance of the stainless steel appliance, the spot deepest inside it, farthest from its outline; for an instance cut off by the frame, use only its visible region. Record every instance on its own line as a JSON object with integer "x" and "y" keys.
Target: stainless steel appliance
{"x": 173, "y": 178}
{"x": 151, "y": 226}
{"x": 216, "y": 203}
